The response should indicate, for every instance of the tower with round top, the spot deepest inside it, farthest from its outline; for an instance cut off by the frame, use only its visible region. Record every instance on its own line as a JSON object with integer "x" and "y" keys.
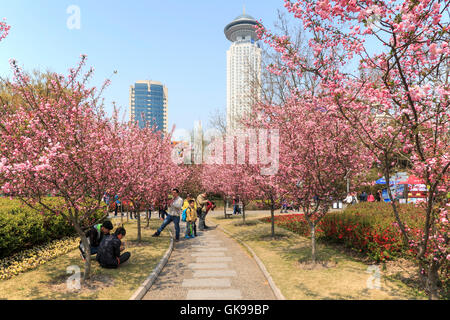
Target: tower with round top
{"x": 243, "y": 68}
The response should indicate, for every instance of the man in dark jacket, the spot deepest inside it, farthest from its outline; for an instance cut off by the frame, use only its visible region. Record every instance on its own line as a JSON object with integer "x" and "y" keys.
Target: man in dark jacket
{"x": 95, "y": 235}
{"x": 108, "y": 254}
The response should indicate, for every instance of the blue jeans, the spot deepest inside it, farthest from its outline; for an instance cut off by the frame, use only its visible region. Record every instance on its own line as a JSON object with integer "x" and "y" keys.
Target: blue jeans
{"x": 176, "y": 222}
{"x": 94, "y": 250}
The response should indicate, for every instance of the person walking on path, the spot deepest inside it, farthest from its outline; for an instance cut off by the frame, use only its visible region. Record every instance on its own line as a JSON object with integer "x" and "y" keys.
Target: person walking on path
{"x": 173, "y": 215}
{"x": 116, "y": 204}
{"x": 109, "y": 252}
{"x": 284, "y": 207}
{"x": 191, "y": 218}
{"x": 236, "y": 209}
{"x": 162, "y": 211}
{"x": 202, "y": 202}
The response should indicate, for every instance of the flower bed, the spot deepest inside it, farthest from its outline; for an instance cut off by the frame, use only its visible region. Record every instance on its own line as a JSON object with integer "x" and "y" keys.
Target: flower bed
{"x": 369, "y": 228}
{"x": 31, "y": 258}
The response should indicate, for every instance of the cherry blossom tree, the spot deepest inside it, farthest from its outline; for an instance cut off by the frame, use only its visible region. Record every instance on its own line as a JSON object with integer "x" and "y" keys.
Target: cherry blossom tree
{"x": 243, "y": 164}
{"x": 231, "y": 181}
{"x": 56, "y": 142}
{"x": 146, "y": 170}
{"x": 396, "y": 102}
{"x": 317, "y": 150}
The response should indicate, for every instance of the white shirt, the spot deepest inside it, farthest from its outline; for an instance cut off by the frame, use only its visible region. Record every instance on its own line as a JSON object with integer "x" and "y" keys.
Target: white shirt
{"x": 175, "y": 207}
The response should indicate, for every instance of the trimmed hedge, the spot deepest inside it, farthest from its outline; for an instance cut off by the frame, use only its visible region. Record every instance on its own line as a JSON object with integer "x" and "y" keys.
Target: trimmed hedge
{"x": 22, "y": 227}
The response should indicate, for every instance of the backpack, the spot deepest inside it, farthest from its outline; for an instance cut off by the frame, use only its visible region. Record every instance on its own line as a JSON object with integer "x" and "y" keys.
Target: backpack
{"x": 183, "y": 215}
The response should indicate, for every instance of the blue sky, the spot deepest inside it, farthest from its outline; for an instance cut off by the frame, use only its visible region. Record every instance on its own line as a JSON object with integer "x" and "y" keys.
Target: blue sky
{"x": 178, "y": 42}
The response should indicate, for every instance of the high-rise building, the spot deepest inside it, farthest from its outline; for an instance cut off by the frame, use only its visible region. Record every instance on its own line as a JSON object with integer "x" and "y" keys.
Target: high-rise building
{"x": 197, "y": 150}
{"x": 243, "y": 68}
{"x": 149, "y": 103}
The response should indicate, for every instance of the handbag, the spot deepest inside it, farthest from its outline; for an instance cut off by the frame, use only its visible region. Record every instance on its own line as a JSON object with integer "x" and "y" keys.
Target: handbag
{"x": 183, "y": 215}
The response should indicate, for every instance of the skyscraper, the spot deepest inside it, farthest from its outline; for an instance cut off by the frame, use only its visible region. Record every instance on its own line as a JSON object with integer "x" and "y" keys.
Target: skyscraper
{"x": 243, "y": 68}
{"x": 149, "y": 102}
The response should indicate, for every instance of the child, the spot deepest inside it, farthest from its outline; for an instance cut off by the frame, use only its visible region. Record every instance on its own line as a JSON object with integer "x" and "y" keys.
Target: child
{"x": 191, "y": 218}
{"x": 186, "y": 202}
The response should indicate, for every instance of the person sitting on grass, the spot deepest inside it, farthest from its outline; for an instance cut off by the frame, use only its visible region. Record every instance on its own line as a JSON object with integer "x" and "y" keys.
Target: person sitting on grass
{"x": 109, "y": 253}
{"x": 95, "y": 235}
{"x": 191, "y": 218}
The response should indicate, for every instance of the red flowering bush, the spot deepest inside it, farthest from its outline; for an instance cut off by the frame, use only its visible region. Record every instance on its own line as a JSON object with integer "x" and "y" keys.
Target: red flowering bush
{"x": 368, "y": 228}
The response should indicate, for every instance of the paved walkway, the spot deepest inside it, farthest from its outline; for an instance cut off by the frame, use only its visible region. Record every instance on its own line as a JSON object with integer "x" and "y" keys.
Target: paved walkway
{"x": 211, "y": 266}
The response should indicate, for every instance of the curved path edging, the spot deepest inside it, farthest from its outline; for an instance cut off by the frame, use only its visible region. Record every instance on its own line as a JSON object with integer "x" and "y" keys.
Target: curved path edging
{"x": 260, "y": 264}
{"x": 146, "y": 285}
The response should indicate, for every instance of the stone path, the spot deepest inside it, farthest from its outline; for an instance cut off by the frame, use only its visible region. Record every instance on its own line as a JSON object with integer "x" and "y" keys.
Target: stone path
{"x": 211, "y": 266}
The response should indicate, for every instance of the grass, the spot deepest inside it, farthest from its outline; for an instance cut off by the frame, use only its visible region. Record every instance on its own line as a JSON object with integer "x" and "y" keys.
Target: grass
{"x": 286, "y": 258}
{"x": 48, "y": 281}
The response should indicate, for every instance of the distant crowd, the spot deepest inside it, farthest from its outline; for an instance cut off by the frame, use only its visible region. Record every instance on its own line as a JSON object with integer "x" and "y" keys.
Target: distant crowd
{"x": 363, "y": 197}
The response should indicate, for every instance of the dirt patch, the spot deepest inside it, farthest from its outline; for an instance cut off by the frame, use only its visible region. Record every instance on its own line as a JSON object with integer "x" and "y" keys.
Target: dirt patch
{"x": 133, "y": 244}
{"x": 278, "y": 236}
{"x": 319, "y": 265}
{"x": 403, "y": 266}
{"x": 403, "y": 270}
{"x": 350, "y": 252}
{"x": 247, "y": 223}
{"x": 95, "y": 283}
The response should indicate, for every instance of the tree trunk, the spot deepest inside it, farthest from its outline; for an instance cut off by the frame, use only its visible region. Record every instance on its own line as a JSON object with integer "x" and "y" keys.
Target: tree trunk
{"x": 87, "y": 250}
{"x": 272, "y": 216}
{"x": 312, "y": 227}
{"x": 224, "y": 208}
{"x": 243, "y": 213}
{"x": 432, "y": 281}
{"x": 87, "y": 263}
{"x": 313, "y": 243}
{"x": 138, "y": 226}
{"x": 148, "y": 218}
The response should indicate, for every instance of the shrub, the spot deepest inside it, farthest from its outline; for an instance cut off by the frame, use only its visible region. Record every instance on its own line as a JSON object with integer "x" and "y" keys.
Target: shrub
{"x": 259, "y": 205}
{"x": 22, "y": 227}
{"x": 369, "y": 228}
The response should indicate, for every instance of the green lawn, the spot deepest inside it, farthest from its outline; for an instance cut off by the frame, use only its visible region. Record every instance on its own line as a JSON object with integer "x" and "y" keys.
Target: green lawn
{"x": 48, "y": 281}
